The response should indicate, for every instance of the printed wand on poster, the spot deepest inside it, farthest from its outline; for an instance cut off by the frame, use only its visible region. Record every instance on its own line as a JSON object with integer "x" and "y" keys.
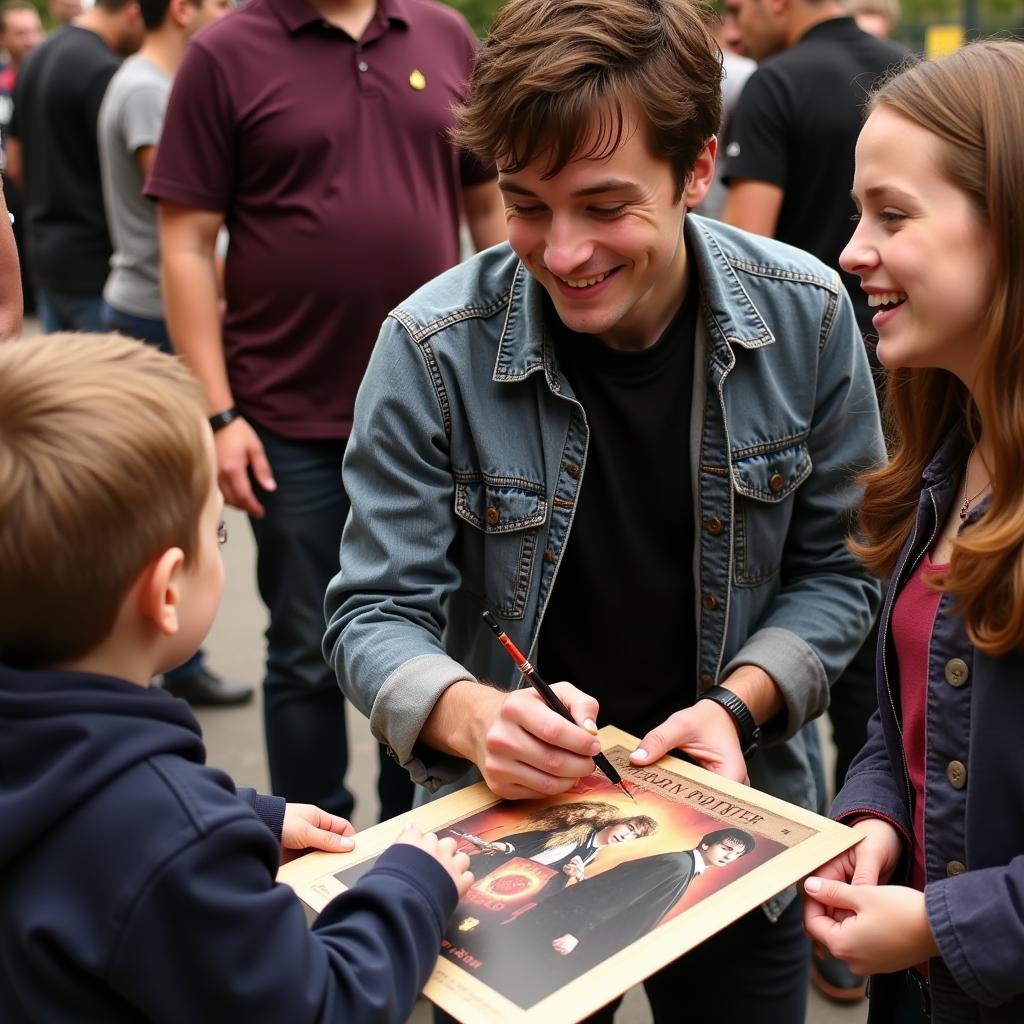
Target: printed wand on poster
{"x": 550, "y": 697}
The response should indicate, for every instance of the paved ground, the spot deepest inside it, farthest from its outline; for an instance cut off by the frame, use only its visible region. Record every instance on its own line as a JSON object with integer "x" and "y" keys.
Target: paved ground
{"x": 234, "y": 737}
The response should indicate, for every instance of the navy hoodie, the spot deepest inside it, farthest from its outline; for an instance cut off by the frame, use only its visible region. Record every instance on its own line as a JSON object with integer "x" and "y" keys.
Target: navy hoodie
{"x": 135, "y": 884}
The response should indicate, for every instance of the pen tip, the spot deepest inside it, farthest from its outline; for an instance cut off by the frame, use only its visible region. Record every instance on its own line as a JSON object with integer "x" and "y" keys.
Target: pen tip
{"x": 491, "y": 621}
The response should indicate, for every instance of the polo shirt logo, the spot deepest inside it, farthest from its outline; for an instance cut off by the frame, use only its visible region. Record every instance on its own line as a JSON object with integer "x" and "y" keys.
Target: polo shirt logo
{"x": 417, "y": 79}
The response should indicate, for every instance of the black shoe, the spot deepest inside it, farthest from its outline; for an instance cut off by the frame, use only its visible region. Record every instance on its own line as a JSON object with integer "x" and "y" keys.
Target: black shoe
{"x": 835, "y": 981}
{"x": 207, "y": 689}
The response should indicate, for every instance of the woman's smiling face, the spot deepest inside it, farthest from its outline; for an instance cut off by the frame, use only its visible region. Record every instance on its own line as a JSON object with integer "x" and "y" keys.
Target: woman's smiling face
{"x": 922, "y": 249}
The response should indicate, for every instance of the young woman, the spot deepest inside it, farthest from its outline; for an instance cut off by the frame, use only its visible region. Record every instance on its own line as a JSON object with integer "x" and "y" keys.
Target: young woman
{"x": 932, "y": 899}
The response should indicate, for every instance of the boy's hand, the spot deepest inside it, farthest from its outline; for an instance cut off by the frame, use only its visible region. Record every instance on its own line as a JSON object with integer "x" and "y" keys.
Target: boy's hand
{"x": 308, "y": 828}
{"x": 444, "y": 851}
{"x": 885, "y": 928}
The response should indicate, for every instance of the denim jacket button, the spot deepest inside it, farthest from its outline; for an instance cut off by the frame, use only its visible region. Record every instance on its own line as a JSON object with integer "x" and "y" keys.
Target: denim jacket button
{"x": 957, "y": 672}
{"x": 776, "y": 482}
{"x": 492, "y": 515}
{"x": 713, "y": 525}
{"x": 956, "y": 772}
{"x": 710, "y": 602}
{"x": 572, "y": 469}
{"x": 954, "y": 868}
{"x": 705, "y": 683}
{"x": 549, "y": 555}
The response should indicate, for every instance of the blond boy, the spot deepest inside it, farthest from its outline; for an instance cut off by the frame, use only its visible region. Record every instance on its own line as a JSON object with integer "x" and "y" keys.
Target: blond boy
{"x": 135, "y": 883}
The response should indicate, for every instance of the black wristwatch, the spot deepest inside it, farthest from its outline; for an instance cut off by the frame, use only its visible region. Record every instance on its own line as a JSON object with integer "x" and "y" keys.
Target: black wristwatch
{"x": 749, "y": 730}
{"x": 221, "y": 419}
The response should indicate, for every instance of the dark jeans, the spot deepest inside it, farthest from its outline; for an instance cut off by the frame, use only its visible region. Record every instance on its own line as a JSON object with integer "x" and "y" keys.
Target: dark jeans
{"x": 60, "y": 312}
{"x": 153, "y": 332}
{"x": 298, "y": 542}
{"x": 751, "y": 971}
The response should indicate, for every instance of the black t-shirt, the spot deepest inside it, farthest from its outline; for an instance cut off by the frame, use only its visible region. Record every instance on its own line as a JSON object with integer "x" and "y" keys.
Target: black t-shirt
{"x": 620, "y": 620}
{"x": 56, "y": 106}
{"x": 796, "y": 126}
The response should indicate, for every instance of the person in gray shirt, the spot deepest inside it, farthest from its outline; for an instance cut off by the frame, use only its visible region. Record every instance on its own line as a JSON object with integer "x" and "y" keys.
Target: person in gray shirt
{"x": 130, "y": 119}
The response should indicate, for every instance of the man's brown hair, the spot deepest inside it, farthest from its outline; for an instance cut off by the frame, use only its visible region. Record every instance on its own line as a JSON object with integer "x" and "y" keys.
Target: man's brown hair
{"x": 102, "y": 467}
{"x": 548, "y": 66}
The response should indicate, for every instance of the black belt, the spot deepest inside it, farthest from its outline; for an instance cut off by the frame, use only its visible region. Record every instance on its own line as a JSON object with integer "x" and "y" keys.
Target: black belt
{"x": 919, "y": 990}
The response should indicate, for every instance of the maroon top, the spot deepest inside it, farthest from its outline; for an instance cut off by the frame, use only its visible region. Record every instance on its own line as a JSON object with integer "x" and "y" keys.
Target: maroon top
{"x": 341, "y": 193}
{"x": 913, "y": 620}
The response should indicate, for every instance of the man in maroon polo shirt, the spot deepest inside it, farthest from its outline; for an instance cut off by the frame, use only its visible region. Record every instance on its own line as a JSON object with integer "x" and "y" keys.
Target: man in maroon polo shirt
{"x": 316, "y": 130}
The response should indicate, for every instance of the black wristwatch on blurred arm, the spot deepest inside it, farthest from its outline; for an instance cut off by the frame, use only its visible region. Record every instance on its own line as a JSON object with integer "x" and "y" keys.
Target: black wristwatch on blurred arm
{"x": 749, "y": 730}
{"x": 218, "y": 421}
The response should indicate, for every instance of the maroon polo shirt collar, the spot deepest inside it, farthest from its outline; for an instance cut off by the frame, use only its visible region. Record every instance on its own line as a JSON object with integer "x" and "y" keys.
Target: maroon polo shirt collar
{"x": 296, "y": 14}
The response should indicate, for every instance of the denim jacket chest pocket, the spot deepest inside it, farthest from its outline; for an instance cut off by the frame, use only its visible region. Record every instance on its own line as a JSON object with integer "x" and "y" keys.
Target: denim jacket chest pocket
{"x": 505, "y": 516}
{"x": 765, "y": 480}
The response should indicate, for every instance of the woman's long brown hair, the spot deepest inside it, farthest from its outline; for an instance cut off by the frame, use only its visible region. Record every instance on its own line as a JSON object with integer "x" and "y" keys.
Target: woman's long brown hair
{"x": 970, "y": 100}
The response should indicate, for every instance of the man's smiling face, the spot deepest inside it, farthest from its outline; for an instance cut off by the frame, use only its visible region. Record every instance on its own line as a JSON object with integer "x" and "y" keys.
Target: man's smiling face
{"x": 604, "y": 236}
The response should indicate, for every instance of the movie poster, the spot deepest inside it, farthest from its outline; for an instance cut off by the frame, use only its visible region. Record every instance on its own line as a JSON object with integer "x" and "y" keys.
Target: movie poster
{"x": 579, "y": 897}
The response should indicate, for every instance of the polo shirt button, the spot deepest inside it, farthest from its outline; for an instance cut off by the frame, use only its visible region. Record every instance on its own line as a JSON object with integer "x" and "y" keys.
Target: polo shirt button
{"x": 549, "y": 555}
{"x": 572, "y": 469}
{"x": 956, "y": 772}
{"x": 957, "y": 672}
{"x": 713, "y": 525}
{"x": 710, "y": 602}
{"x": 954, "y": 868}
{"x": 363, "y": 66}
{"x": 776, "y": 483}
{"x": 492, "y": 515}
{"x": 705, "y": 683}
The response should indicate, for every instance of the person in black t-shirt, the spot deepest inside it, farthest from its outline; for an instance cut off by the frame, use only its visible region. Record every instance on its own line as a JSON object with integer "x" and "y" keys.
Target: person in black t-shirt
{"x": 53, "y": 154}
{"x": 789, "y": 154}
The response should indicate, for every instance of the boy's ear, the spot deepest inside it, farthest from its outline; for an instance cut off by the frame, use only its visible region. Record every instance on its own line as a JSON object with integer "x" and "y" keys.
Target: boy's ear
{"x": 702, "y": 175}
{"x": 157, "y": 590}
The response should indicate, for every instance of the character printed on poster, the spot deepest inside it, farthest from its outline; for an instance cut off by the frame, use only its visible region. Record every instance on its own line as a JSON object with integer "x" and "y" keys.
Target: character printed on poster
{"x": 566, "y": 838}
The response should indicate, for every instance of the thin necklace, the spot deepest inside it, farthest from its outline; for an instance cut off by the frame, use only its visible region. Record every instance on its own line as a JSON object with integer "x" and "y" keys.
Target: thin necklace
{"x": 968, "y": 502}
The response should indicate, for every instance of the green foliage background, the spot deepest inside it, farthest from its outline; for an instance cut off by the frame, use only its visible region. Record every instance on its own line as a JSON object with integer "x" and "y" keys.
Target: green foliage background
{"x": 994, "y": 15}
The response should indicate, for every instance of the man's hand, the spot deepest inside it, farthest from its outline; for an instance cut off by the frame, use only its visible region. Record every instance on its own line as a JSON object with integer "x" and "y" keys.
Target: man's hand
{"x": 307, "y": 827}
{"x": 706, "y": 732}
{"x": 238, "y": 448}
{"x": 565, "y": 944}
{"x": 885, "y": 927}
{"x": 528, "y": 751}
{"x": 523, "y": 749}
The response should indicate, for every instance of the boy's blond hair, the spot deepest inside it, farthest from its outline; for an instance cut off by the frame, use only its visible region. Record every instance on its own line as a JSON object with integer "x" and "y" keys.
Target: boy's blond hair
{"x": 102, "y": 467}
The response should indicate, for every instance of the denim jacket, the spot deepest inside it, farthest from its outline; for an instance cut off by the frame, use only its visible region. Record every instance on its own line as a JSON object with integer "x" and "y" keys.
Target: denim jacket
{"x": 974, "y": 790}
{"x": 467, "y": 456}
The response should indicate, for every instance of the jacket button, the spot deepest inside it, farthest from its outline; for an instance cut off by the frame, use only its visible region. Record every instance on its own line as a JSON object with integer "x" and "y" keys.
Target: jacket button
{"x": 549, "y": 555}
{"x": 956, "y": 772}
{"x": 957, "y": 672}
{"x": 713, "y": 525}
{"x": 492, "y": 515}
{"x": 954, "y": 868}
{"x": 710, "y": 602}
{"x": 705, "y": 683}
{"x": 572, "y": 469}
{"x": 776, "y": 483}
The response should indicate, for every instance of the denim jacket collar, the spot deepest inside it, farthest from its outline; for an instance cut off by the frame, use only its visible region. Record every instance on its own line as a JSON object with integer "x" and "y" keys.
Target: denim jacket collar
{"x": 731, "y": 317}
